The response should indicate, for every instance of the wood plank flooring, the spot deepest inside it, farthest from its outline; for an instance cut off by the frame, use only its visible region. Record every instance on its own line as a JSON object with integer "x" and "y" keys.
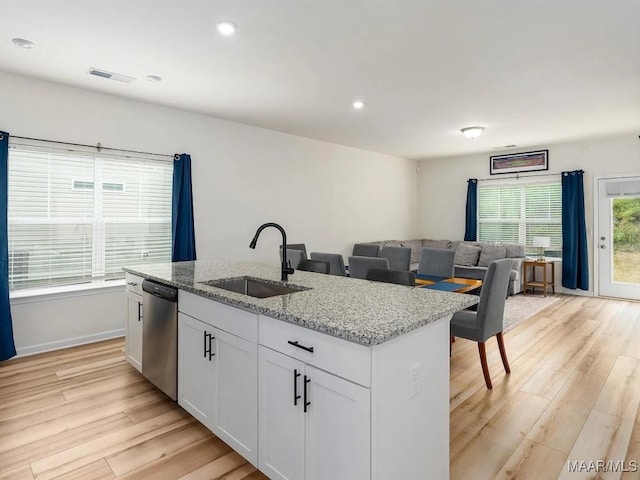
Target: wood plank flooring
{"x": 573, "y": 395}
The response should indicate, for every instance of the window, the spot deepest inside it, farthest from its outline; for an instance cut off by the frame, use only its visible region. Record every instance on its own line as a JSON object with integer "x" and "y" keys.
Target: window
{"x": 62, "y": 230}
{"x": 517, "y": 213}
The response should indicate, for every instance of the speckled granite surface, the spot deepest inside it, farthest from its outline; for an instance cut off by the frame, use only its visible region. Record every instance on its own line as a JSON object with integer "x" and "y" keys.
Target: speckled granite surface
{"x": 360, "y": 311}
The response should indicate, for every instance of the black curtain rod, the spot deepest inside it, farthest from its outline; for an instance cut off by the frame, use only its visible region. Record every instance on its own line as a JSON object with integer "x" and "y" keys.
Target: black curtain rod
{"x": 517, "y": 176}
{"x": 98, "y": 146}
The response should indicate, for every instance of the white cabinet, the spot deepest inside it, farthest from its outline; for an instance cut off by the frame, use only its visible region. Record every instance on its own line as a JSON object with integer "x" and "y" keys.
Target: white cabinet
{"x": 195, "y": 369}
{"x": 313, "y": 425}
{"x": 134, "y": 319}
{"x": 218, "y": 375}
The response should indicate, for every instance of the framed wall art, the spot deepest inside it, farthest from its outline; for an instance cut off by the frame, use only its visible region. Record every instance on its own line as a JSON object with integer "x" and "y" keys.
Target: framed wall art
{"x": 519, "y": 162}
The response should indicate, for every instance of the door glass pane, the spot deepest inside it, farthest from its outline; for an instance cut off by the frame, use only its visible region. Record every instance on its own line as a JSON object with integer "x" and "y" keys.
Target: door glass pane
{"x": 626, "y": 239}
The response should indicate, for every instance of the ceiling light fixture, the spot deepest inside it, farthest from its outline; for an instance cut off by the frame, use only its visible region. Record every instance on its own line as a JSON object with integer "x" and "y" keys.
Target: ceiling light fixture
{"x": 154, "y": 78}
{"x": 472, "y": 132}
{"x": 23, "y": 43}
{"x": 358, "y": 104}
{"x": 226, "y": 27}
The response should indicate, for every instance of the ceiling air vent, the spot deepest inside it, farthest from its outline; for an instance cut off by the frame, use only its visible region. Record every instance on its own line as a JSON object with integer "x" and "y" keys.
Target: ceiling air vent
{"x": 110, "y": 75}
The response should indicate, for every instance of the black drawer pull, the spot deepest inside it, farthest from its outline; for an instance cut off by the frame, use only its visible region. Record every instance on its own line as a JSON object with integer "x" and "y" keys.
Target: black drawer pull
{"x": 296, "y": 344}
{"x": 296, "y": 397}
{"x": 307, "y": 380}
{"x": 206, "y": 350}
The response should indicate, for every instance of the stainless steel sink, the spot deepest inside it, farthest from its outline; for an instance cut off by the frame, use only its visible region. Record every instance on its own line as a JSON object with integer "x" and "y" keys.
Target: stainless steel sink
{"x": 254, "y": 287}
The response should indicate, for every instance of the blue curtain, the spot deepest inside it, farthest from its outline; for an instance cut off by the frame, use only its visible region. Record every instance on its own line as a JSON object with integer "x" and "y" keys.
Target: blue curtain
{"x": 471, "y": 222}
{"x": 7, "y": 347}
{"x": 575, "y": 261}
{"x": 183, "y": 234}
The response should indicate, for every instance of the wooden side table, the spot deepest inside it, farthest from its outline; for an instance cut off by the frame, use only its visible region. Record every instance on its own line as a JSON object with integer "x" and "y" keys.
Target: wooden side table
{"x": 544, "y": 284}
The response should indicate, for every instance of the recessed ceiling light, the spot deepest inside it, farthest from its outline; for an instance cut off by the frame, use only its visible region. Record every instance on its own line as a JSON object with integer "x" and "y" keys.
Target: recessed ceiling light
{"x": 226, "y": 27}
{"x": 358, "y": 104}
{"x": 472, "y": 132}
{"x": 23, "y": 43}
{"x": 154, "y": 78}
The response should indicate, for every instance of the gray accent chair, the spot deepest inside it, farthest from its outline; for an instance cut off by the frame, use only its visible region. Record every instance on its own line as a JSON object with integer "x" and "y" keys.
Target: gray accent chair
{"x": 336, "y": 262}
{"x": 399, "y": 277}
{"x": 399, "y": 257}
{"x": 366, "y": 250}
{"x": 313, "y": 266}
{"x": 487, "y": 321}
{"x": 359, "y": 266}
{"x": 438, "y": 262}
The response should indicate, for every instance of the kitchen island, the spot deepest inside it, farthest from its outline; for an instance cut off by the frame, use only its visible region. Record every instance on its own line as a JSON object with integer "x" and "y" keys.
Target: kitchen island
{"x": 344, "y": 378}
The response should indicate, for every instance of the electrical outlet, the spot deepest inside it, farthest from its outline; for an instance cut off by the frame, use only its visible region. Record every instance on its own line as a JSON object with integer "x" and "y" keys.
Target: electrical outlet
{"x": 415, "y": 385}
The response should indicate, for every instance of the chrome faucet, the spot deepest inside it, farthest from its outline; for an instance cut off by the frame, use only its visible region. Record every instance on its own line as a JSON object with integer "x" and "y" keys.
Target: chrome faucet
{"x": 286, "y": 268}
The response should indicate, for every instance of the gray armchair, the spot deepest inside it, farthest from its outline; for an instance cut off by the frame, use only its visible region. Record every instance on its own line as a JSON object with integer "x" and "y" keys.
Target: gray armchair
{"x": 336, "y": 262}
{"x": 437, "y": 262}
{"x": 399, "y": 257}
{"x": 359, "y": 266}
{"x": 487, "y": 321}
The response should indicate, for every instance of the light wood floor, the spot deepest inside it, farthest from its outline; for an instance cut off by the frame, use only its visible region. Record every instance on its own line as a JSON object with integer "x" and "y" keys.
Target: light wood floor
{"x": 573, "y": 394}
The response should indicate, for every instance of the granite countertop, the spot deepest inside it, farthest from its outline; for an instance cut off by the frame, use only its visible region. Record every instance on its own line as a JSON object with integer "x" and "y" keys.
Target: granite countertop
{"x": 361, "y": 311}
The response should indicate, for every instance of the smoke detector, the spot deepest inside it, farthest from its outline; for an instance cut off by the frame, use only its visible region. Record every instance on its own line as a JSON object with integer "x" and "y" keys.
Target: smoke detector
{"x": 118, "y": 77}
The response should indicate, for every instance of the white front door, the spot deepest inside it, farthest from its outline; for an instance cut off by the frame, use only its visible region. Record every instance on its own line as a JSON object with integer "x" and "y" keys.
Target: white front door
{"x": 618, "y": 237}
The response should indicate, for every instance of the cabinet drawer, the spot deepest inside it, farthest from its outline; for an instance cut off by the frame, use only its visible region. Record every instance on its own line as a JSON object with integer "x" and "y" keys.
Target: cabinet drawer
{"x": 233, "y": 320}
{"x": 340, "y": 357}
{"x": 134, "y": 283}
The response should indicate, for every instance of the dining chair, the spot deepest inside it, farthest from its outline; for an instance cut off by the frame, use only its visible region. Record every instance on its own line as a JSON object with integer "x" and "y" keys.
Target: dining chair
{"x": 399, "y": 257}
{"x": 437, "y": 262}
{"x": 316, "y": 266}
{"x": 359, "y": 266}
{"x": 297, "y": 246}
{"x": 336, "y": 262}
{"x": 294, "y": 257}
{"x": 399, "y": 277}
{"x": 366, "y": 250}
{"x": 487, "y": 321}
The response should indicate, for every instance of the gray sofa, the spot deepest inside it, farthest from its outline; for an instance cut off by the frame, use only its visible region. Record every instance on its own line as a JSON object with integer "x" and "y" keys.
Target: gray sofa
{"x": 472, "y": 258}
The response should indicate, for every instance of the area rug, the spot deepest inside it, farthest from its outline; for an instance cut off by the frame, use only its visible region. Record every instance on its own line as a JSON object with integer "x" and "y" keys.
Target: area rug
{"x": 520, "y": 307}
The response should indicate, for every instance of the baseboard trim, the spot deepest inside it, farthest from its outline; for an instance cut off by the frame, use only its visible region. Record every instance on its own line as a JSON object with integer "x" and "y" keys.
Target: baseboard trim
{"x": 70, "y": 342}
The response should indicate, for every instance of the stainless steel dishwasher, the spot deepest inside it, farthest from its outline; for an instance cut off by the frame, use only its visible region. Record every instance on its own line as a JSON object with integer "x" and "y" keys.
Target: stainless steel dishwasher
{"x": 160, "y": 336}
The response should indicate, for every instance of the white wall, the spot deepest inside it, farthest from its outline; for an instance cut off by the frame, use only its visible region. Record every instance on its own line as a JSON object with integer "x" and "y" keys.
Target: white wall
{"x": 442, "y": 183}
{"x": 327, "y": 196}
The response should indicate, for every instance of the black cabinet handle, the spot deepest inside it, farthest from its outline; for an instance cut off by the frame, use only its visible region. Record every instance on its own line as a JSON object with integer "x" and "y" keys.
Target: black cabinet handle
{"x": 211, "y": 354}
{"x": 296, "y": 344}
{"x": 206, "y": 351}
{"x": 296, "y": 397}
{"x": 306, "y": 403}
{"x": 139, "y": 311}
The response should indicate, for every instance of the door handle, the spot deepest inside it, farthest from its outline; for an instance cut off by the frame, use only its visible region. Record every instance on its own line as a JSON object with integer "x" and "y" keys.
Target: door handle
{"x": 306, "y": 403}
{"x": 205, "y": 344}
{"x": 296, "y": 397}
{"x": 139, "y": 311}
{"x": 296, "y": 344}
{"x": 603, "y": 246}
{"x": 211, "y": 354}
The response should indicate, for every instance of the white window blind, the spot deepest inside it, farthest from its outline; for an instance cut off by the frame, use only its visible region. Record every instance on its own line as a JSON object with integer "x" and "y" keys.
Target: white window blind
{"x": 517, "y": 213}
{"x": 77, "y": 217}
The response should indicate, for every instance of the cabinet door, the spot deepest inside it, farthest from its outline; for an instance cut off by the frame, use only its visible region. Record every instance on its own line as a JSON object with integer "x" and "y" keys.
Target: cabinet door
{"x": 235, "y": 393}
{"x": 338, "y": 442}
{"x": 281, "y": 430}
{"x": 133, "y": 346}
{"x": 195, "y": 368}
